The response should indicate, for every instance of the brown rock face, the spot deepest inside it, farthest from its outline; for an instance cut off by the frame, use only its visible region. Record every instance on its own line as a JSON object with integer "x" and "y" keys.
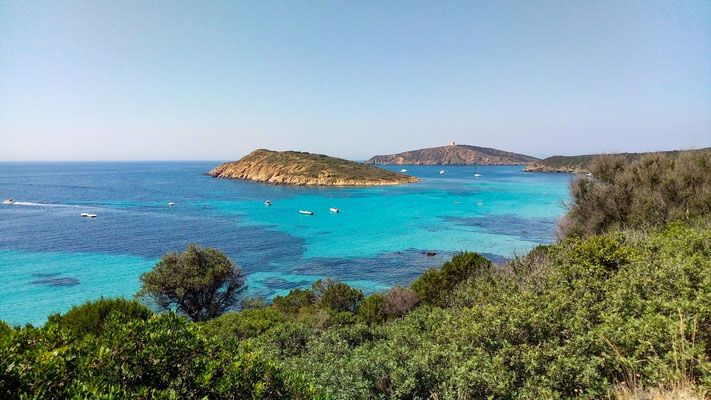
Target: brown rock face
{"x": 298, "y": 168}
{"x": 454, "y": 155}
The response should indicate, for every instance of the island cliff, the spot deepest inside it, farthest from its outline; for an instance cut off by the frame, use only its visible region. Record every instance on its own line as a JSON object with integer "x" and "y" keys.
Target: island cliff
{"x": 453, "y": 155}
{"x": 299, "y": 168}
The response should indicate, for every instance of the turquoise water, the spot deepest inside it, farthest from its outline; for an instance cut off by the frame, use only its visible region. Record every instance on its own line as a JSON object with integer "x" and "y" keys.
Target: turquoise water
{"x": 51, "y": 257}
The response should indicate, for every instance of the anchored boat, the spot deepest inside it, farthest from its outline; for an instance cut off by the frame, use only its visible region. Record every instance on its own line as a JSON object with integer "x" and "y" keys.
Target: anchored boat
{"x": 306, "y": 212}
{"x": 334, "y": 210}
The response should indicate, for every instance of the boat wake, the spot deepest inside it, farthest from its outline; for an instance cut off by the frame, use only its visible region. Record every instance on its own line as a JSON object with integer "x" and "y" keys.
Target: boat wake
{"x": 28, "y": 203}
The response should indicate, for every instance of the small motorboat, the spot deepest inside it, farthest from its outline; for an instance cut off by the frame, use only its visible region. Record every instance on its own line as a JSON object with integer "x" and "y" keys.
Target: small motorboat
{"x": 171, "y": 204}
{"x": 92, "y": 215}
{"x": 479, "y": 203}
{"x": 9, "y": 201}
{"x": 306, "y": 212}
{"x": 477, "y": 175}
{"x": 441, "y": 172}
{"x": 267, "y": 203}
{"x": 84, "y": 214}
{"x": 335, "y": 210}
{"x": 403, "y": 170}
{"x": 456, "y": 202}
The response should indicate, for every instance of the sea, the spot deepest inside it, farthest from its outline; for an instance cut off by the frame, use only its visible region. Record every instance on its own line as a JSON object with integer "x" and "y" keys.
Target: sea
{"x": 52, "y": 258}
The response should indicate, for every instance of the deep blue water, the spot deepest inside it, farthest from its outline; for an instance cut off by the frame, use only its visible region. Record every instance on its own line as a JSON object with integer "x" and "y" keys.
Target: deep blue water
{"x": 51, "y": 257}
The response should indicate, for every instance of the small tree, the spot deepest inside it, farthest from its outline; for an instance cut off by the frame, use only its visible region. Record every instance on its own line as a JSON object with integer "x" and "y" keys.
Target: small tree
{"x": 371, "y": 309}
{"x": 296, "y": 300}
{"x": 434, "y": 286}
{"x": 337, "y": 296}
{"x": 200, "y": 283}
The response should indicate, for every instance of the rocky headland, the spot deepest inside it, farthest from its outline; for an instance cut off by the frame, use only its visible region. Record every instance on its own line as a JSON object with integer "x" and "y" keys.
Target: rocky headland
{"x": 454, "y": 154}
{"x": 300, "y": 169}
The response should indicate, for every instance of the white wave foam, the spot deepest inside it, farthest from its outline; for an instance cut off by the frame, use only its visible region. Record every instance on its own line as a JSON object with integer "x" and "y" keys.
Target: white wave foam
{"x": 27, "y": 203}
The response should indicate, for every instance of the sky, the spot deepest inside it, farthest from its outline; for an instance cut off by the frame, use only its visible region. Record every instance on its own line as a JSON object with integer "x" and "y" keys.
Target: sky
{"x": 213, "y": 80}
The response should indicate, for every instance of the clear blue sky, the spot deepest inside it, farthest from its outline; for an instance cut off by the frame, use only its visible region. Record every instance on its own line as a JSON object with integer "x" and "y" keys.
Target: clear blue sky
{"x": 145, "y": 80}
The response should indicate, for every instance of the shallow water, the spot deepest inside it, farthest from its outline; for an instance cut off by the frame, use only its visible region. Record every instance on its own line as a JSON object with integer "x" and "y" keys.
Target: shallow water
{"x": 51, "y": 257}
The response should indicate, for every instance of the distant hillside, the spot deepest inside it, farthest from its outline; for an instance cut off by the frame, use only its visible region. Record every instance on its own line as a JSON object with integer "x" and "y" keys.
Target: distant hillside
{"x": 297, "y": 168}
{"x": 454, "y": 155}
{"x": 581, "y": 164}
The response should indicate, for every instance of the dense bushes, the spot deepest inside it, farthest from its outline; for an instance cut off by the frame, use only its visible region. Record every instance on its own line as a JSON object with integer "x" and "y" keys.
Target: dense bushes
{"x": 653, "y": 190}
{"x": 162, "y": 357}
{"x": 598, "y": 311}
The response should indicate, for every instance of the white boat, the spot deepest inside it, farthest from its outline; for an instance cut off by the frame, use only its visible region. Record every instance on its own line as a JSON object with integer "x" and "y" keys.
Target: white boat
{"x": 267, "y": 203}
{"x": 477, "y": 175}
{"x": 9, "y": 201}
{"x": 84, "y": 214}
{"x": 334, "y": 210}
{"x": 306, "y": 212}
{"x": 441, "y": 172}
{"x": 91, "y": 215}
{"x": 403, "y": 170}
{"x": 171, "y": 204}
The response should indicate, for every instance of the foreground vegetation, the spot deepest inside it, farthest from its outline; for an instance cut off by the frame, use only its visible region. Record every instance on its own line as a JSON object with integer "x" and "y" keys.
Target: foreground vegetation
{"x": 620, "y": 309}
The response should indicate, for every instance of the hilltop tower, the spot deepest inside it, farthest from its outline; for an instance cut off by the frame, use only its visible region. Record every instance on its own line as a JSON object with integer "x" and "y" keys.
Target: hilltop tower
{"x": 452, "y": 144}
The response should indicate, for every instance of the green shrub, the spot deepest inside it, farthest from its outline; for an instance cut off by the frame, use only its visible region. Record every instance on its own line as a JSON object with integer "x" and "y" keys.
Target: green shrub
{"x": 243, "y": 325}
{"x": 293, "y": 302}
{"x": 89, "y": 318}
{"x": 253, "y": 303}
{"x": 434, "y": 287}
{"x": 337, "y": 296}
{"x": 370, "y": 311}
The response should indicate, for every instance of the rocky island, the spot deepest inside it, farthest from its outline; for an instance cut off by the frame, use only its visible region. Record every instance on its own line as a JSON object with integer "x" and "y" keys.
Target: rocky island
{"x": 454, "y": 154}
{"x": 300, "y": 168}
